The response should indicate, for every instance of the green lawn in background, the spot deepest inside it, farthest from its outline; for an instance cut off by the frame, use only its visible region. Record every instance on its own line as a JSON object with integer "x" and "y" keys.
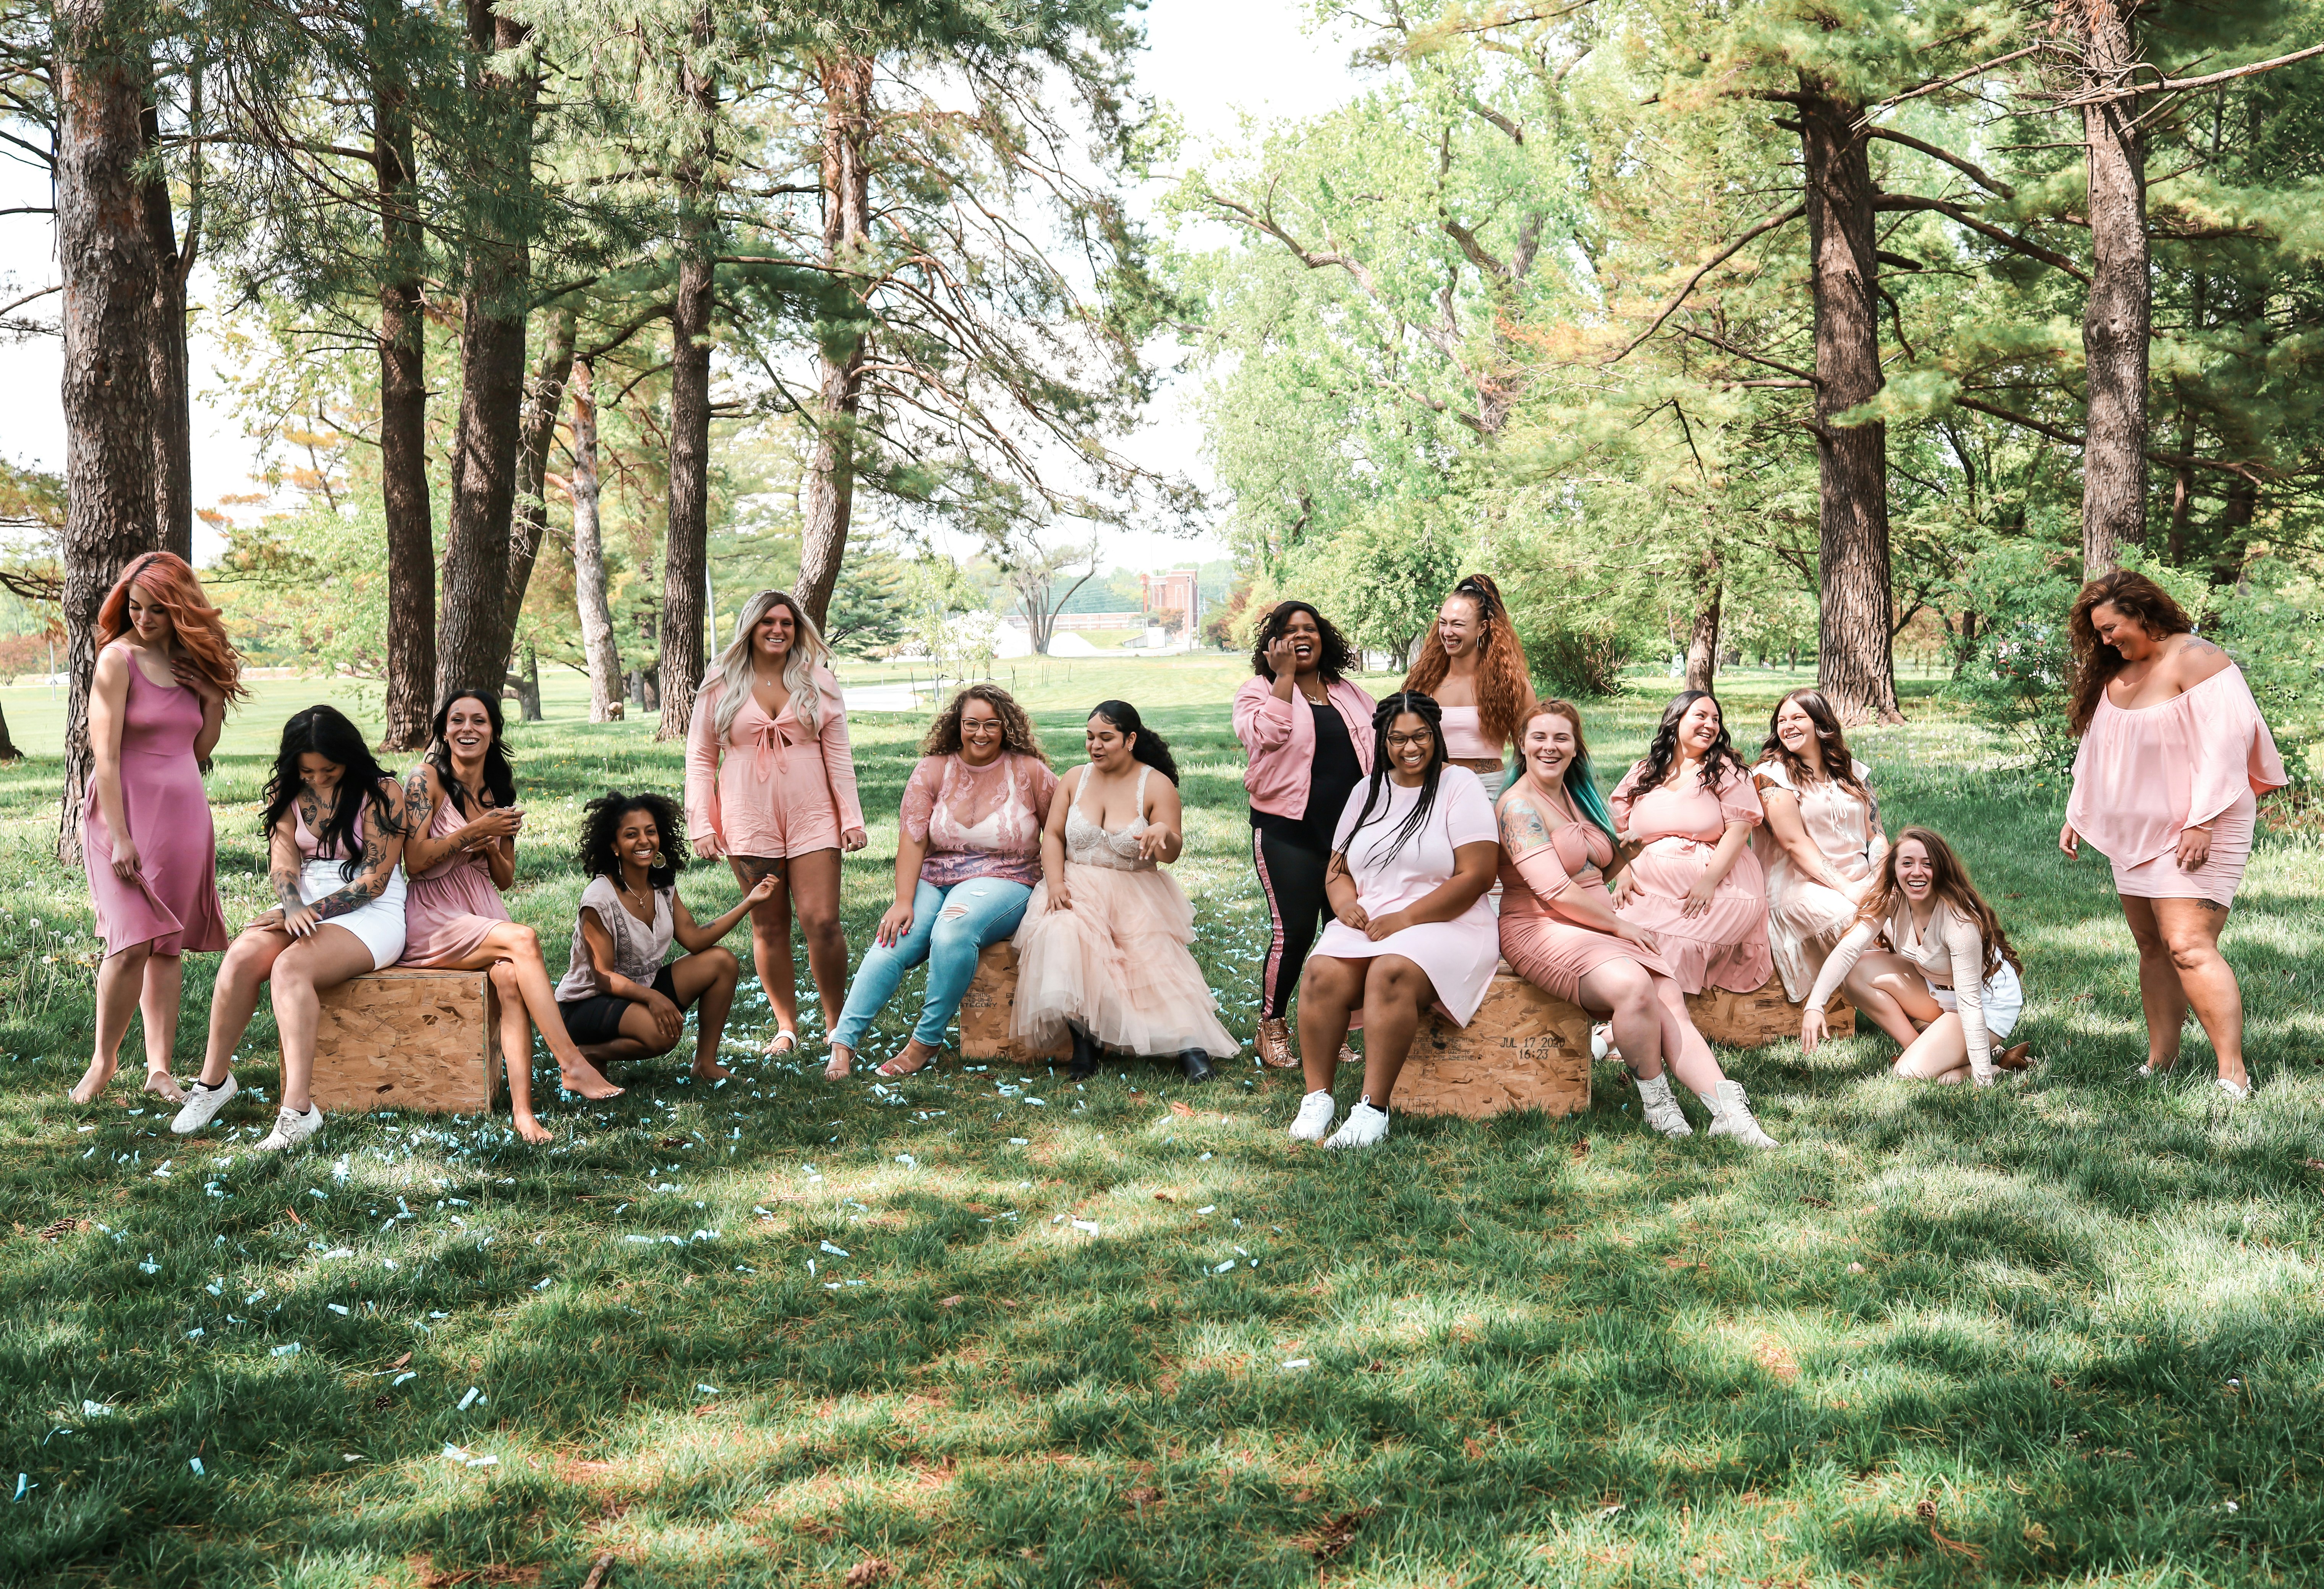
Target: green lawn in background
{"x": 2063, "y": 1330}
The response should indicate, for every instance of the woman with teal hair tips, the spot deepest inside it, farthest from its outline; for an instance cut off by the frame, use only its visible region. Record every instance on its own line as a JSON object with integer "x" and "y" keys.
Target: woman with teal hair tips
{"x": 1560, "y": 931}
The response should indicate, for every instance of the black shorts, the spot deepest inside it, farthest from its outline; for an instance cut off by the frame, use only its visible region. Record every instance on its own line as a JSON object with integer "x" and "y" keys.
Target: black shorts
{"x": 598, "y": 1018}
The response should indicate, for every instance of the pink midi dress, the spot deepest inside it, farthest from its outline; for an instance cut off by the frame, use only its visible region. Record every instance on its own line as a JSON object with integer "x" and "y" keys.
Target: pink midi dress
{"x": 2144, "y": 776}
{"x": 1804, "y": 917}
{"x": 1680, "y": 823}
{"x": 452, "y": 907}
{"x": 773, "y": 788}
{"x": 1459, "y": 956}
{"x": 173, "y": 903}
{"x": 1545, "y": 948}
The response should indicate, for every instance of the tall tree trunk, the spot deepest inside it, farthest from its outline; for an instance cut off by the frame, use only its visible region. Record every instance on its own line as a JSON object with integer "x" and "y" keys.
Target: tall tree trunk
{"x": 686, "y": 559}
{"x": 404, "y": 498}
{"x": 173, "y": 434}
{"x": 830, "y": 494}
{"x": 589, "y": 558}
{"x": 8, "y": 751}
{"x": 1703, "y": 643}
{"x": 470, "y": 650}
{"x": 107, "y": 258}
{"x": 544, "y": 402}
{"x": 1855, "y": 667}
{"x": 2118, "y": 312}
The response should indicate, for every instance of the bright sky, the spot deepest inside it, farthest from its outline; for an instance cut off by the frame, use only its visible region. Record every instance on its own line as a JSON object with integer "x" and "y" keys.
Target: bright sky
{"x": 1211, "y": 59}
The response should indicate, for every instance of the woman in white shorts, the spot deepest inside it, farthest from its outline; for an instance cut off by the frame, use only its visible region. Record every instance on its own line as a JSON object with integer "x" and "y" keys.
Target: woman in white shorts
{"x": 335, "y": 832}
{"x": 1947, "y": 988}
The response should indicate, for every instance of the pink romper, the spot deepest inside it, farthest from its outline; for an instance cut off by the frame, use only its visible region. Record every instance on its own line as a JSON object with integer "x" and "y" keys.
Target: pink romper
{"x": 1543, "y": 947}
{"x": 773, "y": 788}
{"x": 1680, "y": 823}
{"x": 2144, "y": 776}
{"x": 173, "y": 902}
{"x": 452, "y": 906}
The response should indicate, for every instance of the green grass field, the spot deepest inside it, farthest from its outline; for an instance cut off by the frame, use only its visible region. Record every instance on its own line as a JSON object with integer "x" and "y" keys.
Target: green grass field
{"x": 987, "y": 1328}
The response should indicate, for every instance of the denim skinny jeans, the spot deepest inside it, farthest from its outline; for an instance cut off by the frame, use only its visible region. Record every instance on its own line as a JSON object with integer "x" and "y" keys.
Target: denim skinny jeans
{"x": 949, "y": 927}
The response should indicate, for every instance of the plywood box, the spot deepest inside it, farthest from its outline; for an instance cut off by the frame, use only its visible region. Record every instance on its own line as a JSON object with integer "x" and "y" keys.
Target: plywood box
{"x": 985, "y": 1011}
{"x": 1753, "y": 1020}
{"x": 1525, "y": 1050}
{"x": 409, "y": 1039}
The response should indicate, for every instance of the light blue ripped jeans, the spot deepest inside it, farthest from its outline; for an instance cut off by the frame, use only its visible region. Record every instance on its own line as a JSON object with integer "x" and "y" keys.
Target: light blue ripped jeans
{"x": 949, "y": 927}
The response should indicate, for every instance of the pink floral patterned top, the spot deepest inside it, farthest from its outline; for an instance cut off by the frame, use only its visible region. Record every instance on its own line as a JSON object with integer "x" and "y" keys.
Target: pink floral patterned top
{"x": 979, "y": 821}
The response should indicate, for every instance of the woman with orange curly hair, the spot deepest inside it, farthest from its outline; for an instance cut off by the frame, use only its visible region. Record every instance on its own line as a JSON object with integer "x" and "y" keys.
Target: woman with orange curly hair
{"x": 165, "y": 671}
{"x": 1475, "y": 667}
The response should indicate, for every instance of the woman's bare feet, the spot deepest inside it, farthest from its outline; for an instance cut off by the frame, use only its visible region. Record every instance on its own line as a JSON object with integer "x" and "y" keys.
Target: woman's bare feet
{"x": 710, "y": 1070}
{"x": 93, "y": 1080}
{"x": 165, "y": 1085}
{"x": 916, "y": 1058}
{"x": 588, "y": 1083}
{"x": 534, "y": 1131}
{"x": 841, "y": 1063}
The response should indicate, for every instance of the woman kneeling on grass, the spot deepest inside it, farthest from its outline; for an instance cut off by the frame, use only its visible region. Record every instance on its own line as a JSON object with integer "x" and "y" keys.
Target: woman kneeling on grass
{"x": 462, "y": 852}
{"x": 618, "y": 999}
{"x": 1947, "y": 985}
{"x": 1559, "y": 930}
{"x": 1410, "y": 865}
{"x": 335, "y": 826}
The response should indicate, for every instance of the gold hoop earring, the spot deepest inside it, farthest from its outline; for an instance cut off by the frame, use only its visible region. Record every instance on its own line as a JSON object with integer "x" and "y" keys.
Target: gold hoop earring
{"x": 661, "y": 861}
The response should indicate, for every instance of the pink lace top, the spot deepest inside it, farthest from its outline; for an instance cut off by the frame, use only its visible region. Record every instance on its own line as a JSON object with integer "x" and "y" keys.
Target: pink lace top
{"x": 979, "y": 821}
{"x": 2144, "y": 774}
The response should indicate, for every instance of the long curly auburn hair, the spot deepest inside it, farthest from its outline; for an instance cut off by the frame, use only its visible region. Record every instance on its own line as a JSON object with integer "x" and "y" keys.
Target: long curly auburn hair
{"x": 1017, "y": 735}
{"x": 1948, "y": 881}
{"x": 1504, "y": 678}
{"x": 2134, "y": 596}
{"x": 200, "y": 629}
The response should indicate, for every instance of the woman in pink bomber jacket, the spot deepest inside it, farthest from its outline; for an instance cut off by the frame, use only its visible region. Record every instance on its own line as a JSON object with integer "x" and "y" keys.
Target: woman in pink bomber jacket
{"x": 1307, "y": 732}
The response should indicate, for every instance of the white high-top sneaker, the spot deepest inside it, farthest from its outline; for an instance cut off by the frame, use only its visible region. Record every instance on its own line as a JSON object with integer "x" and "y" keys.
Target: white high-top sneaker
{"x": 1313, "y": 1121}
{"x": 1661, "y": 1108}
{"x": 1731, "y": 1113}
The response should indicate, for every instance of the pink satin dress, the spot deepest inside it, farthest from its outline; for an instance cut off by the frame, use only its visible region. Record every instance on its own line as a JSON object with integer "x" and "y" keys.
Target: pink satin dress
{"x": 2144, "y": 776}
{"x": 173, "y": 903}
{"x": 1680, "y": 823}
{"x": 452, "y": 907}
{"x": 773, "y": 788}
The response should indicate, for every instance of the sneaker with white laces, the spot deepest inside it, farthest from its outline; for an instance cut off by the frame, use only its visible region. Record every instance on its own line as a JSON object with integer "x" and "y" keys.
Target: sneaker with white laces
{"x": 1732, "y": 1112}
{"x": 1364, "y": 1126}
{"x": 1660, "y": 1108}
{"x": 202, "y": 1104}
{"x": 1313, "y": 1121}
{"x": 291, "y": 1128}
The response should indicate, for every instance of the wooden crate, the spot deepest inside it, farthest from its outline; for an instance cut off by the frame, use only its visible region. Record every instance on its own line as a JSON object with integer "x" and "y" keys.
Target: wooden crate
{"x": 985, "y": 1011}
{"x": 409, "y": 1039}
{"x": 1524, "y": 1050}
{"x": 1753, "y": 1020}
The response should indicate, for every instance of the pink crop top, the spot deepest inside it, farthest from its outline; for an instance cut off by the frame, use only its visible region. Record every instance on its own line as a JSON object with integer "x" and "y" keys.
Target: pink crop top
{"x": 1464, "y": 736}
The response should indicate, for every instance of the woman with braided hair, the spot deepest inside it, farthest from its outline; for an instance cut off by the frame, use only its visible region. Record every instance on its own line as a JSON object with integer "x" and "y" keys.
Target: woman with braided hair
{"x": 1474, "y": 668}
{"x": 1410, "y": 863}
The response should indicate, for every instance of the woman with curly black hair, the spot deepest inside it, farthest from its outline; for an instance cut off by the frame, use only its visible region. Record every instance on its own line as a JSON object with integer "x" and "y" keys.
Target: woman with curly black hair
{"x": 619, "y": 1000}
{"x": 968, "y": 853}
{"x": 1307, "y": 733}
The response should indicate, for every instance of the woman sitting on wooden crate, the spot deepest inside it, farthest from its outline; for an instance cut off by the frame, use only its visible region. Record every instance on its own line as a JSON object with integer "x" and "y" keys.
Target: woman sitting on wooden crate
{"x": 618, "y": 999}
{"x": 1560, "y": 931}
{"x": 335, "y": 827}
{"x": 1947, "y": 986}
{"x": 462, "y": 852}
{"x": 1824, "y": 821}
{"x": 968, "y": 852}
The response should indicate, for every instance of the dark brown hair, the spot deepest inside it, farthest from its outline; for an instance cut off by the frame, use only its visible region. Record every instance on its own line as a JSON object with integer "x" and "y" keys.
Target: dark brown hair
{"x": 1838, "y": 763}
{"x": 1950, "y": 882}
{"x": 943, "y": 738}
{"x": 2134, "y": 596}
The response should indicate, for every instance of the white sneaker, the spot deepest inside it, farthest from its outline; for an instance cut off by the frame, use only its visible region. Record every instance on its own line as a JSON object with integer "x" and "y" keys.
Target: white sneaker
{"x": 1733, "y": 1112}
{"x": 1661, "y": 1108}
{"x": 1365, "y": 1125}
{"x": 291, "y": 1128}
{"x": 1313, "y": 1121}
{"x": 1602, "y": 1040}
{"x": 202, "y": 1104}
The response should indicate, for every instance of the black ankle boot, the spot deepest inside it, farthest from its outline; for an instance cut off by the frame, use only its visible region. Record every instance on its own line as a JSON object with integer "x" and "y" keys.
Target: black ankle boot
{"x": 1086, "y": 1055}
{"x": 1196, "y": 1063}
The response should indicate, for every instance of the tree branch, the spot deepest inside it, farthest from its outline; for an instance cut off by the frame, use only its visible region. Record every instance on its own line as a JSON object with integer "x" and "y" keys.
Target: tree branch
{"x": 1714, "y": 262}
{"x": 1953, "y": 212}
{"x": 1970, "y": 169}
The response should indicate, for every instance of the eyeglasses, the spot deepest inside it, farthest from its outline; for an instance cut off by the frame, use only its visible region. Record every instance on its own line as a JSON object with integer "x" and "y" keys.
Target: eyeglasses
{"x": 1402, "y": 742}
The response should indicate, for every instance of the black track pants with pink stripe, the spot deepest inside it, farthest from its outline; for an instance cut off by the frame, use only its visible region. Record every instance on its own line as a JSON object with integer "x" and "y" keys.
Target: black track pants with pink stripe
{"x": 1291, "y": 876}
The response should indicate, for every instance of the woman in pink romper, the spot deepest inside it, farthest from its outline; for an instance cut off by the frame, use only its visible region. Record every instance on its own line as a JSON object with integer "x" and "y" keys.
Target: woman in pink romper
{"x": 461, "y": 812}
{"x": 771, "y": 785}
{"x": 164, "y": 673}
{"x": 1559, "y": 931}
{"x": 1695, "y": 884}
{"x": 2173, "y": 757}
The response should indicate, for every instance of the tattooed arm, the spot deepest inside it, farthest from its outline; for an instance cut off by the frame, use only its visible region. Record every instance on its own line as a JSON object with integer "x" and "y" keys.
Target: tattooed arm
{"x": 283, "y": 871}
{"x": 383, "y": 830}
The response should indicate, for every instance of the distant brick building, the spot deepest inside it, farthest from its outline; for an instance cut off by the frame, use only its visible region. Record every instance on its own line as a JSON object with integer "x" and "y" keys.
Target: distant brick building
{"x": 1172, "y": 600}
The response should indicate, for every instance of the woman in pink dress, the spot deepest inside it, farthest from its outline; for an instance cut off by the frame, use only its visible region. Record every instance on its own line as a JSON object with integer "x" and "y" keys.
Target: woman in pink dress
{"x": 771, "y": 785}
{"x": 1695, "y": 884}
{"x": 1824, "y": 821}
{"x": 460, "y": 807}
{"x": 1474, "y": 668}
{"x": 164, "y": 673}
{"x": 1558, "y": 929}
{"x": 1413, "y": 856}
{"x": 2174, "y": 756}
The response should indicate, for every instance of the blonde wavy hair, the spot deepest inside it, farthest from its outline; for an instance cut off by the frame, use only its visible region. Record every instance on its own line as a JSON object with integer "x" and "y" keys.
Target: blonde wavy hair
{"x": 808, "y": 653}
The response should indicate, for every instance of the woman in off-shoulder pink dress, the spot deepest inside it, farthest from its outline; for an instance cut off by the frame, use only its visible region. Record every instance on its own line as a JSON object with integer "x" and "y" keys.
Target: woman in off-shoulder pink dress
{"x": 2173, "y": 757}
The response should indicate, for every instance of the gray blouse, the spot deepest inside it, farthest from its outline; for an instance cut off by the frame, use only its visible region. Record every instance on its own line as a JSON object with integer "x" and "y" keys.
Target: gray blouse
{"x": 638, "y": 950}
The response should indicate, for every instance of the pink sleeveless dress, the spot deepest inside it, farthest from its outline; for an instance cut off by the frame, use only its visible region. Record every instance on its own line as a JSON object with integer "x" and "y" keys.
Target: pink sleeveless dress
{"x": 173, "y": 902}
{"x": 452, "y": 906}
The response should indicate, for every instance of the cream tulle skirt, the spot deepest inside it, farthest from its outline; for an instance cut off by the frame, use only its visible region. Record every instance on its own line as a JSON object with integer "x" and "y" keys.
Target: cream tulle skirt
{"x": 1116, "y": 965}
